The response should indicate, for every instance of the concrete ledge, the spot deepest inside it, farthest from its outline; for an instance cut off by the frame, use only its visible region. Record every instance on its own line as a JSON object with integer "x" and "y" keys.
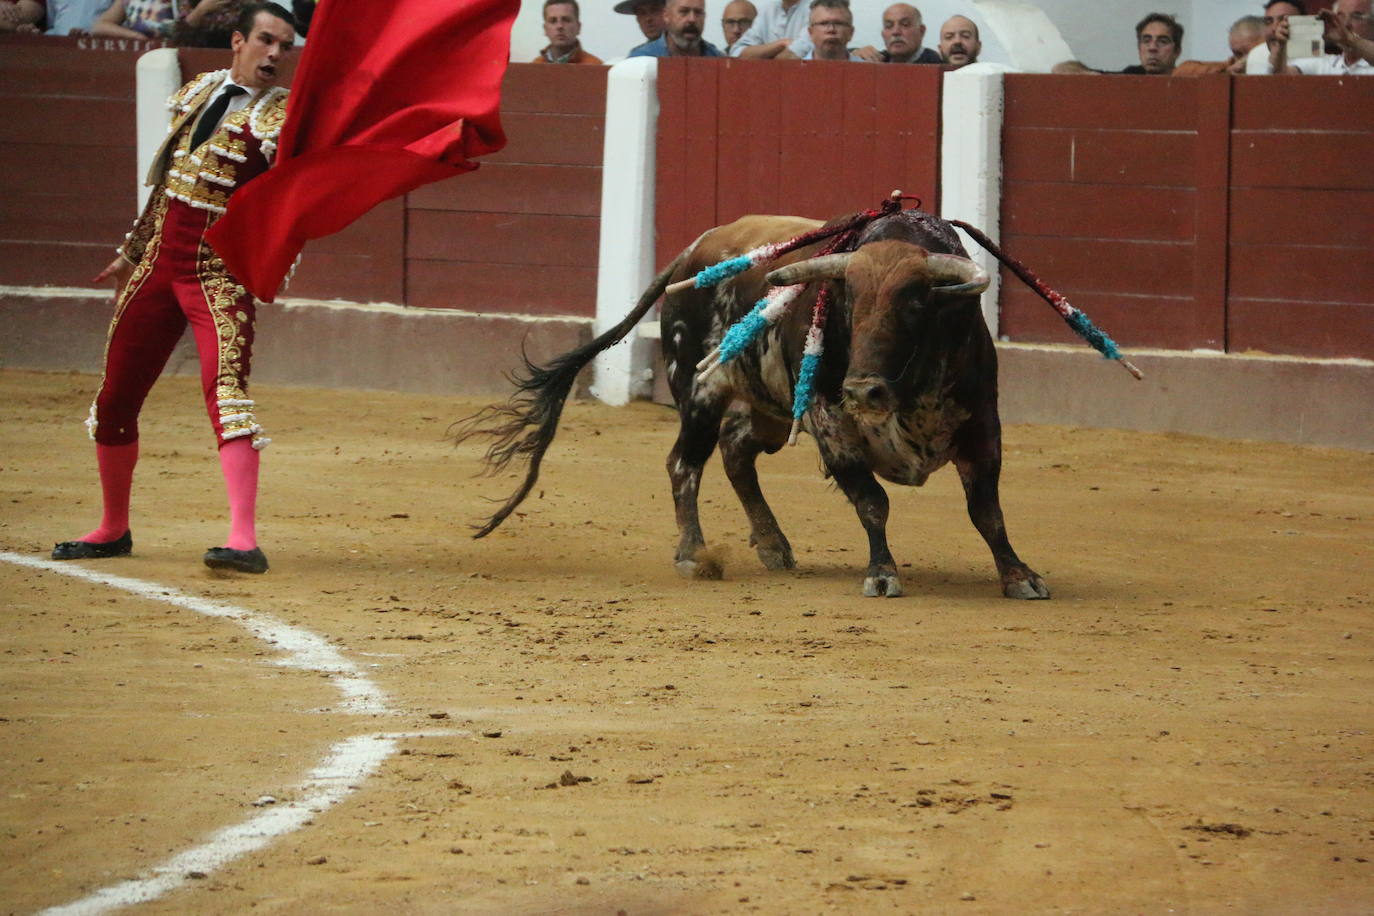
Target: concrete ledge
{"x": 300, "y": 342}
{"x": 436, "y": 351}
{"x": 1272, "y": 398}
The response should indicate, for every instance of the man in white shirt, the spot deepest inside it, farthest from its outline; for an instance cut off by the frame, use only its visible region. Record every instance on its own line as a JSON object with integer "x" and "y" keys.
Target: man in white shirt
{"x": 781, "y": 26}
{"x": 1349, "y": 27}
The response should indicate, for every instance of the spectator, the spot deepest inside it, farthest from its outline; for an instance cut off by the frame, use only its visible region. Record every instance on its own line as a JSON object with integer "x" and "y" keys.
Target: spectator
{"x": 562, "y": 25}
{"x": 781, "y": 25}
{"x": 649, "y": 15}
{"x": 142, "y": 19}
{"x": 959, "y": 42}
{"x": 830, "y": 28}
{"x": 739, "y": 15}
{"x": 1276, "y": 13}
{"x": 683, "y": 21}
{"x": 1246, "y": 33}
{"x": 21, "y": 16}
{"x": 74, "y": 17}
{"x": 1349, "y": 28}
{"x": 1159, "y": 40}
{"x": 903, "y": 32}
{"x": 207, "y": 23}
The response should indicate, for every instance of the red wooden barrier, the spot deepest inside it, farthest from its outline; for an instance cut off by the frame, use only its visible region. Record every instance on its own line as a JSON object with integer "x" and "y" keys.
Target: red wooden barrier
{"x": 1186, "y": 213}
{"x": 807, "y": 138}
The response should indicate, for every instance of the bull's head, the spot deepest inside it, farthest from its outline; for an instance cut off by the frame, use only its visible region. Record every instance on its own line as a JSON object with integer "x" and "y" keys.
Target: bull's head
{"x": 895, "y": 293}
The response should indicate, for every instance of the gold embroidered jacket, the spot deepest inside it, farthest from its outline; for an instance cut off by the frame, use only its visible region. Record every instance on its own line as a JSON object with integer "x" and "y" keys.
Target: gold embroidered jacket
{"x": 243, "y": 147}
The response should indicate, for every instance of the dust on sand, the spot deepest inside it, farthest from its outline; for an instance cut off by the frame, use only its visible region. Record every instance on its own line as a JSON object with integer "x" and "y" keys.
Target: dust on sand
{"x": 1184, "y": 727}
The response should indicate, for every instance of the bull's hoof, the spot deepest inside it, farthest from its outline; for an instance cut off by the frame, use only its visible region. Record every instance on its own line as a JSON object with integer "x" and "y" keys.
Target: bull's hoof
{"x": 777, "y": 558}
{"x": 883, "y": 585}
{"x": 1026, "y": 586}
{"x": 702, "y": 568}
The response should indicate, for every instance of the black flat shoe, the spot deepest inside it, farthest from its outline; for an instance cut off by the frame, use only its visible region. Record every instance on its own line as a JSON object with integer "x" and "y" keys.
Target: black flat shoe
{"x": 249, "y": 561}
{"x": 121, "y": 546}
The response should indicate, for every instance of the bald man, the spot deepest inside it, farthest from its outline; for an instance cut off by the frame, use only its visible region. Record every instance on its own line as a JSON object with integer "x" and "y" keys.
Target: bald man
{"x": 903, "y": 32}
{"x": 737, "y": 19}
{"x": 959, "y": 43}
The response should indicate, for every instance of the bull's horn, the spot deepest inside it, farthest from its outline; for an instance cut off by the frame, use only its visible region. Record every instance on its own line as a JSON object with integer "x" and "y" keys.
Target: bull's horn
{"x": 825, "y": 267}
{"x": 953, "y": 275}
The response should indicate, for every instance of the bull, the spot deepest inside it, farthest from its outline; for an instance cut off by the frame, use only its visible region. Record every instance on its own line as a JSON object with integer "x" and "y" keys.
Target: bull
{"x": 907, "y": 383}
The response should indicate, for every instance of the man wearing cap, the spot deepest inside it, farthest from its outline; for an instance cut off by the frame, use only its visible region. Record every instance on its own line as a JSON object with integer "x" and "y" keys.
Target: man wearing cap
{"x": 649, "y": 15}
{"x": 683, "y": 21}
{"x": 562, "y": 25}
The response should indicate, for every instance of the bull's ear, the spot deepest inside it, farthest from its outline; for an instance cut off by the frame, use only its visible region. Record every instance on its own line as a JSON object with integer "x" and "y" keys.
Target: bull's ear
{"x": 825, "y": 267}
{"x": 953, "y": 275}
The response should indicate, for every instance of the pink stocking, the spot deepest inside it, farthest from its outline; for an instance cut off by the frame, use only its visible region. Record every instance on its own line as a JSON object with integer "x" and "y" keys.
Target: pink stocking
{"x": 239, "y": 461}
{"x": 116, "y": 464}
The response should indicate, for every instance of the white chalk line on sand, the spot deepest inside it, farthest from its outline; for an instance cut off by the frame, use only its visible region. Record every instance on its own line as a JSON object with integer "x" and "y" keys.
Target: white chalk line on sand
{"x": 344, "y": 768}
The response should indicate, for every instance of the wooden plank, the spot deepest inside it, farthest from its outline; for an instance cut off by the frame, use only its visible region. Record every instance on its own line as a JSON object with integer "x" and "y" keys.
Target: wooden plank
{"x": 1042, "y": 100}
{"x": 1212, "y": 178}
{"x": 696, "y": 168}
{"x": 749, "y": 147}
{"x": 899, "y": 159}
{"x": 503, "y": 238}
{"x": 545, "y": 138}
{"x": 1302, "y": 328}
{"x": 39, "y": 216}
{"x": 1287, "y": 103}
{"x": 54, "y": 166}
{"x": 1290, "y": 216}
{"x": 855, "y": 181}
{"x": 1114, "y": 157}
{"x": 1098, "y": 211}
{"x": 567, "y": 90}
{"x": 34, "y": 263}
{"x": 1296, "y": 272}
{"x": 67, "y": 121}
{"x": 1303, "y": 160}
{"x": 508, "y": 289}
{"x": 810, "y": 112}
{"x": 67, "y": 70}
{"x": 1074, "y": 266}
{"x": 378, "y": 233}
{"x": 498, "y": 187}
{"x": 354, "y": 277}
{"x": 1132, "y": 321}
{"x": 670, "y": 195}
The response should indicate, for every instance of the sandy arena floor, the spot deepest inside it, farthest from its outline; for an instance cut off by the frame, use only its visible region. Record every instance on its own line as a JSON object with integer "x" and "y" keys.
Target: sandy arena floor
{"x": 1185, "y": 727}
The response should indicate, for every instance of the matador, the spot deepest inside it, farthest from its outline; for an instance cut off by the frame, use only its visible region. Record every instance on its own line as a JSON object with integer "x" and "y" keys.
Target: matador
{"x": 223, "y": 133}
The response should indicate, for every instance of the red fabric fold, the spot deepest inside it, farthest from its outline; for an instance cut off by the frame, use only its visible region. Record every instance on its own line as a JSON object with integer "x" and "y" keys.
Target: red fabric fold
{"x": 388, "y": 97}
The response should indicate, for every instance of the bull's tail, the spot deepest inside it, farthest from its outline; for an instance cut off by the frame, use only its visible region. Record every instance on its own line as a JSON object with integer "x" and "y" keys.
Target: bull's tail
{"x": 524, "y": 426}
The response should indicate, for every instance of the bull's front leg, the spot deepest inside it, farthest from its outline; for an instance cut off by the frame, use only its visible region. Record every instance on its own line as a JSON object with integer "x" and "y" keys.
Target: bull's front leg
{"x": 744, "y": 435}
{"x": 978, "y": 456}
{"x": 869, "y": 499}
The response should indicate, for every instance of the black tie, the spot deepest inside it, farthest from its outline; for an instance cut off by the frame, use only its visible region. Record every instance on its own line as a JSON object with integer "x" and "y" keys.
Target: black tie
{"x": 214, "y": 113}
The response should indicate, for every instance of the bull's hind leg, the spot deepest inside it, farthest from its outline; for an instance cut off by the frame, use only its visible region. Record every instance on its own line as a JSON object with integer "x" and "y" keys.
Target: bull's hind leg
{"x": 870, "y": 502}
{"x": 743, "y": 436}
{"x": 978, "y": 456}
{"x": 696, "y": 439}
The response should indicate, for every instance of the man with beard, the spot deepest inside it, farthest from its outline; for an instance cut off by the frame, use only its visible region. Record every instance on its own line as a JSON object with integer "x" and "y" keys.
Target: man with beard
{"x": 1349, "y": 43}
{"x": 562, "y": 25}
{"x": 683, "y": 21}
{"x": 959, "y": 43}
{"x": 224, "y": 132}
